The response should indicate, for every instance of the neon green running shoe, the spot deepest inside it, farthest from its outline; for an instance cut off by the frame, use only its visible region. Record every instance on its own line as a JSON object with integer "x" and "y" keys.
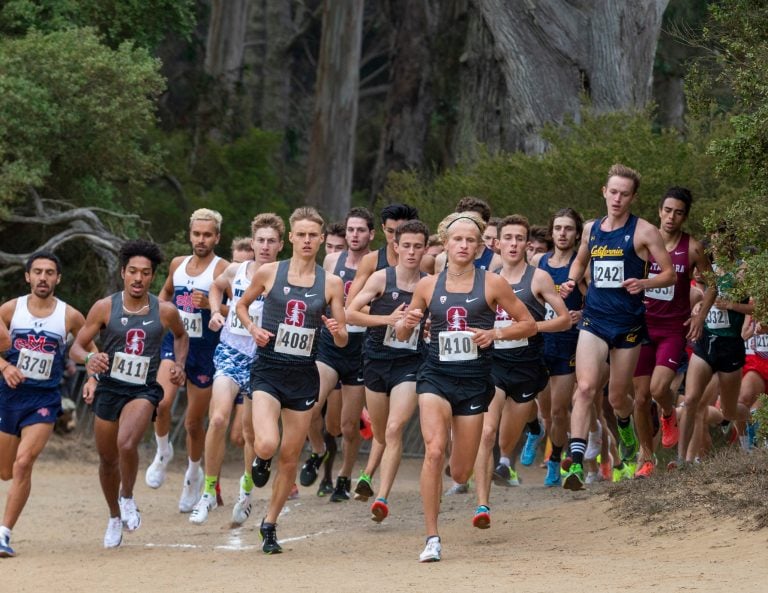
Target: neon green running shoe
{"x": 574, "y": 479}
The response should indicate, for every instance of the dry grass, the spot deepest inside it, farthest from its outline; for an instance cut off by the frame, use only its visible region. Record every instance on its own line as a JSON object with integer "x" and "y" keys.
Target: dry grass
{"x": 729, "y": 484}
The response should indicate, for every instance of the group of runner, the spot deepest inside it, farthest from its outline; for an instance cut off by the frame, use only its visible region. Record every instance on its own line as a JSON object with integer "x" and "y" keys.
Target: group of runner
{"x": 500, "y": 339}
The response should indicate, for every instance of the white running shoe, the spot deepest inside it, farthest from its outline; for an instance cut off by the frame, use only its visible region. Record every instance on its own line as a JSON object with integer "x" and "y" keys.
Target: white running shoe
{"x": 242, "y": 508}
{"x": 129, "y": 514}
{"x": 114, "y": 534}
{"x": 457, "y": 489}
{"x": 155, "y": 475}
{"x": 432, "y": 551}
{"x": 200, "y": 513}
{"x": 190, "y": 494}
{"x": 595, "y": 443}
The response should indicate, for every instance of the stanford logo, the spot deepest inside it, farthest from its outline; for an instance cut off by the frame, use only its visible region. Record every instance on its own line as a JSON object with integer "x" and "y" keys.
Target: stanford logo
{"x": 134, "y": 341}
{"x": 456, "y": 318}
{"x": 294, "y": 312}
{"x": 501, "y": 314}
{"x": 395, "y": 295}
{"x": 347, "y": 286}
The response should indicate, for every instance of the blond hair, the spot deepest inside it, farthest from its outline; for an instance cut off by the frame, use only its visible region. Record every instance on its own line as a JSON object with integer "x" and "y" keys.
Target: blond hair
{"x": 306, "y": 213}
{"x": 268, "y": 220}
{"x": 619, "y": 170}
{"x": 206, "y": 214}
{"x": 470, "y": 215}
{"x": 241, "y": 244}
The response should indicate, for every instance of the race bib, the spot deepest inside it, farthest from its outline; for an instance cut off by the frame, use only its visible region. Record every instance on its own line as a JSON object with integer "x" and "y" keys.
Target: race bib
{"x": 608, "y": 273}
{"x": 761, "y": 343}
{"x": 356, "y": 329}
{"x": 130, "y": 368}
{"x": 293, "y": 340}
{"x": 34, "y": 364}
{"x": 391, "y": 341}
{"x": 660, "y": 294}
{"x": 456, "y": 346}
{"x": 508, "y": 344}
{"x": 549, "y": 312}
{"x": 717, "y": 319}
{"x": 236, "y": 327}
{"x": 193, "y": 323}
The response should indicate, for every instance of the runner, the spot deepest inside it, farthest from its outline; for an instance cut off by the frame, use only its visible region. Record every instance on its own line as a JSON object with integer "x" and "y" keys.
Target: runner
{"x": 754, "y": 379}
{"x": 33, "y": 336}
{"x": 453, "y": 384}
{"x": 335, "y": 238}
{"x": 242, "y": 250}
{"x": 616, "y": 249}
{"x": 390, "y": 365}
{"x": 518, "y": 370}
{"x": 670, "y": 323}
{"x": 540, "y": 242}
{"x": 485, "y": 258}
{"x": 122, "y": 383}
{"x": 233, "y": 359}
{"x": 336, "y": 363}
{"x": 284, "y": 377}
{"x": 491, "y": 234}
{"x": 187, "y": 285}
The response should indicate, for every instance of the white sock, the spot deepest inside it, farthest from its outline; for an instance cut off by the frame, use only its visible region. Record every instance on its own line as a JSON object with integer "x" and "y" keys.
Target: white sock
{"x": 163, "y": 444}
{"x": 193, "y": 467}
{"x": 504, "y": 461}
{"x": 5, "y": 532}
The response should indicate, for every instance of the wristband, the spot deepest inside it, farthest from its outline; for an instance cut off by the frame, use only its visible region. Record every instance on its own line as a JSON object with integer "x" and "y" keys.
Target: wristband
{"x": 88, "y": 357}
{"x": 570, "y": 280}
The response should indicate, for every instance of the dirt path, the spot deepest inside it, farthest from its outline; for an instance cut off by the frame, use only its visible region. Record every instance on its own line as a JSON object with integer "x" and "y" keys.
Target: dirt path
{"x": 541, "y": 540}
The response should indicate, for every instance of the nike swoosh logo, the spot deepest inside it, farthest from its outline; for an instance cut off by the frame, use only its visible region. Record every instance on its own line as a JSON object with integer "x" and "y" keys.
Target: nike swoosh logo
{"x": 524, "y": 395}
{"x": 475, "y": 407}
{"x": 411, "y": 375}
{"x": 147, "y": 322}
{"x": 672, "y": 361}
{"x": 679, "y": 252}
{"x": 309, "y": 296}
{"x": 472, "y": 300}
{"x": 309, "y": 402}
{"x": 518, "y": 290}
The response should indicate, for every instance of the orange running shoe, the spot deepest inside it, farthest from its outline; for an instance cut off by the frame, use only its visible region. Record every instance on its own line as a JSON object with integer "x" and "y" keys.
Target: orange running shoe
{"x": 670, "y": 432}
{"x": 379, "y": 510}
{"x": 645, "y": 470}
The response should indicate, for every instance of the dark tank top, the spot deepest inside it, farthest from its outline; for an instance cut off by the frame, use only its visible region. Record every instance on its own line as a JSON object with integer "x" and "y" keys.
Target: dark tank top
{"x": 356, "y": 334}
{"x": 525, "y": 349}
{"x": 574, "y": 302}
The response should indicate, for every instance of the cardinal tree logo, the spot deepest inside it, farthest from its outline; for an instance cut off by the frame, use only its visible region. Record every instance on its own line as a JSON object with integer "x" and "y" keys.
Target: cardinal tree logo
{"x": 134, "y": 341}
{"x": 456, "y": 318}
{"x": 347, "y": 285}
{"x": 294, "y": 312}
{"x": 184, "y": 302}
{"x": 501, "y": 314}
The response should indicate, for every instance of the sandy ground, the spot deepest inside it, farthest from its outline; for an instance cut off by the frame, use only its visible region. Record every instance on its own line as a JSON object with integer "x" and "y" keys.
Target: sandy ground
{"x": 541, "y": 540}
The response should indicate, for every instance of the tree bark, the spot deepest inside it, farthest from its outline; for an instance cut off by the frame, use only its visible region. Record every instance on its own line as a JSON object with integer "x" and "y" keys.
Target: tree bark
{"x": 530, "y": 63}
{"x": 332, "y": 140}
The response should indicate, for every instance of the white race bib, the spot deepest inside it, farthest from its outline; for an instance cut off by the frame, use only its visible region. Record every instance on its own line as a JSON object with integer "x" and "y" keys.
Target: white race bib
{"x": 236, "y": 327}
{"x": 34, "y": 364}
{"x": 193, "y": 323}
{"x": 717, "y": 319}
{"x": 761, "y": 343}
{"x": 507, "y": 344}
{"x": 608, "y": 273}
{"x": 130, "y": 368}
{"x": 294, "y": 340}
{"x": 356, "y": 329}
{"x": 456, "y": 346}
{"x": 391, "y": 341}
{"x": 660, "y": 294}
{"x": 549, "y": 312}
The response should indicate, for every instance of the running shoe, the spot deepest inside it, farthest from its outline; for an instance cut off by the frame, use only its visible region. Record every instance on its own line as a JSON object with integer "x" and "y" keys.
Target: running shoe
{"x": 260, "y": 471}
{"x": 155, "y": 475}
{"x": 432, "y": 550}
{"x": 205, "y": 505}
{"x": 242, "y": 509}
{"x": 606, "y": 470}
{"x": 325, "y": 488}
{"x": 594, "y": 443}
{"x": 114, "y": 533}
{"x": 625, "y": 472}
{"x": 627, "y": 443}
{"x": 308, "y": 473}
{"x": 457, "y": 489}
{"x": 482, "y": 518}
{"x": 528, "y": 454}
{"x": 268, "y": 535}
{"x": 574, "y": 479}
{"x": 190, "y": 494}
{"x": 504, "y": 475}
{"x": 6, "y": 551}
{"x": 552, "y": 478}
{"x": 294, "y": 493}
{"x": 363, "y": 490}
{"x": 670, "y": 431}
{"x": 129, "y": 514}
{"x": 752, "y": 427}
{"x": 219, "y": 499}
{"x": 645, "y": 470}
{"x": 341, "y": 491}
{"x": 379, "y": 510}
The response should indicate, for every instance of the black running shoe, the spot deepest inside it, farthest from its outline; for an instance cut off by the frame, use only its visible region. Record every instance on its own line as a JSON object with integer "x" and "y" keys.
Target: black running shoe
{"x": 260, "y": 471}
{"x": 341, "y": 491}
{"x": 325, "y": 488}
{"x": 308, "y": 473}
{"x": 268, "y": 534}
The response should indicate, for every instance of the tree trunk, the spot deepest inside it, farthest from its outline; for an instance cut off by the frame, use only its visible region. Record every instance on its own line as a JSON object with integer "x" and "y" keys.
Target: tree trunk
{"x": 529, "y": 63}
{"x": 332, "y": 141}
{"x": 409, "y": 99}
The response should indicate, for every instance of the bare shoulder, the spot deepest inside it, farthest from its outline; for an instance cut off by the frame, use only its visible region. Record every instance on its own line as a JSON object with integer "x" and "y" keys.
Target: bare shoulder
{"x": 221, "y": 265}
{"x": 329, "y": 263}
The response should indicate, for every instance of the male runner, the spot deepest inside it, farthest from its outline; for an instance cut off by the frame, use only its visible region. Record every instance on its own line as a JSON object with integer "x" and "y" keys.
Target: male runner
{"x": 485, "y": 258}
{"x": 187, "y": 285}
{"x": 616, "y": 248}
{"x": 122, "y": 383}
{"x": 32, "y": 368}
{"x": 335, "y": 238}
